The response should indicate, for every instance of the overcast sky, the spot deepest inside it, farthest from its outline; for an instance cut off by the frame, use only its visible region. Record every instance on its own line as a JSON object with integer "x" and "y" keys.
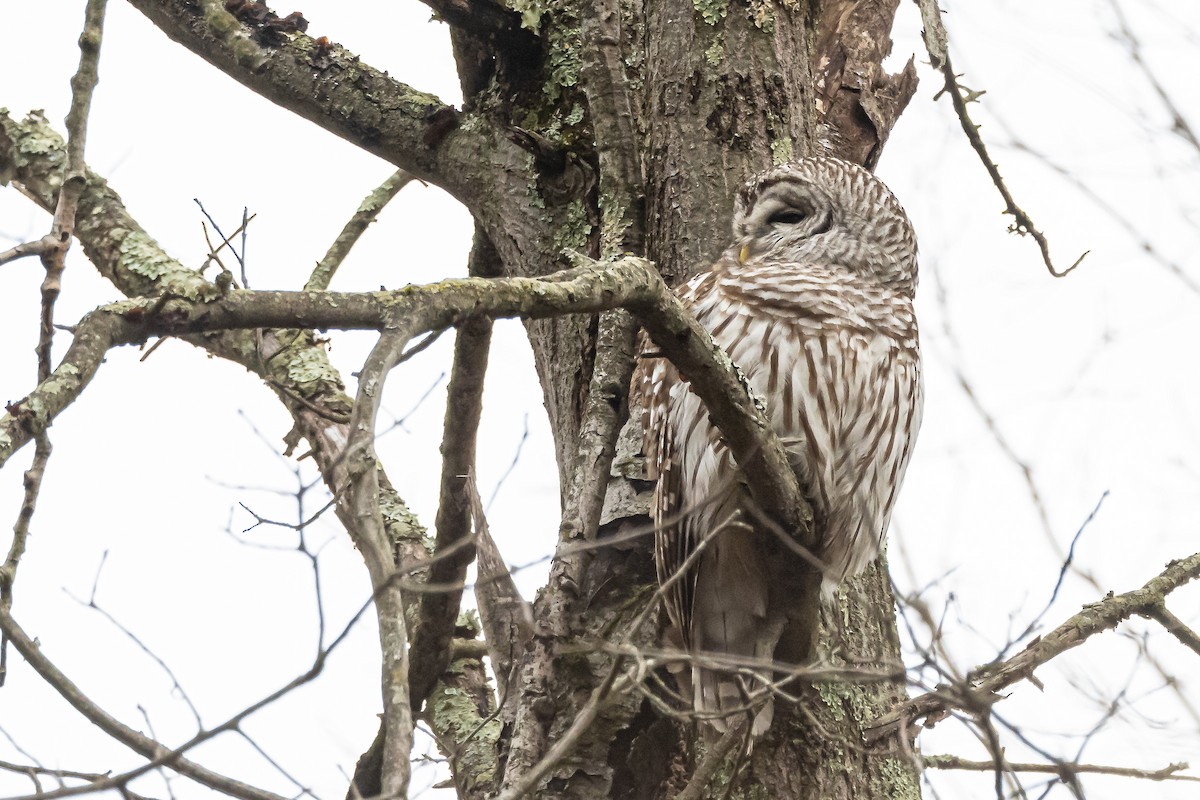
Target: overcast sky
{"x": 1089, "y": 382}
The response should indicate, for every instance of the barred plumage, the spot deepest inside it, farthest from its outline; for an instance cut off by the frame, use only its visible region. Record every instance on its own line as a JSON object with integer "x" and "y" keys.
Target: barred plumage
{"x": 813, "y": 301}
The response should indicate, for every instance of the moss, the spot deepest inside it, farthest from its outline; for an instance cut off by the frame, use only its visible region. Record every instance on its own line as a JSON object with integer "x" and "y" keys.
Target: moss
{"x": 712, "y": 11}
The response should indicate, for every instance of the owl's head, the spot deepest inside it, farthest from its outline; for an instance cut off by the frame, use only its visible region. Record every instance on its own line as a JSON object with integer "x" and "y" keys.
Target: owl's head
{"x": 830, "y": 211}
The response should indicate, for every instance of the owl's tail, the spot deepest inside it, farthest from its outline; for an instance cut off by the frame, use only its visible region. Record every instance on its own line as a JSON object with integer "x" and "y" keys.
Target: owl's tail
{"x": 754, "y": 614}
{"x": 732, "y": 634}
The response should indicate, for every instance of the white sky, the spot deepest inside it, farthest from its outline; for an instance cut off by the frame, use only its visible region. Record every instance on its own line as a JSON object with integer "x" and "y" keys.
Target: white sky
{"x": 1091, "y": 381}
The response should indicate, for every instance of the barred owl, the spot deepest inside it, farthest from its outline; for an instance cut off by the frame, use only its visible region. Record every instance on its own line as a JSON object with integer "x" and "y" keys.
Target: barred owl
{"x": 814, "y": 301}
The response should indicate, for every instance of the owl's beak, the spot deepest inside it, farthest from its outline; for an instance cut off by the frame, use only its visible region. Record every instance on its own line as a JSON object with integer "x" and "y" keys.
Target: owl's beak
{"x": 744, "y": 254}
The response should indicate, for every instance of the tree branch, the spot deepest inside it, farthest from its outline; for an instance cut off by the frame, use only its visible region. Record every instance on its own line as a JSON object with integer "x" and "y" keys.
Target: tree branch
{"x": 938, "y": 46}
{"x": 1067, "y": 771}
{"x": 622, "y": 182}
{"x": 367, "y": 212}
{"x": 983, "y": 684}
{"x": 439, "y": 609}
{"x": 144, "y": 745}
{"x": 332, "y": 88}
{"x": 1175, "y": 626}
{"x": 506, "y": 617}
{"x": 487, "y": 20}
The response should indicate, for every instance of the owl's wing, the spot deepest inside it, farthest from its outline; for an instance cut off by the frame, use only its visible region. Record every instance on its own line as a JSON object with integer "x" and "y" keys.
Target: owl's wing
{"x": 673, "y": 535}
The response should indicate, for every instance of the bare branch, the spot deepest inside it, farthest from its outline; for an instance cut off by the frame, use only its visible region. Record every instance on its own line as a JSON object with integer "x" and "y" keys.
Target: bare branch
{"x": 1179, "y": 123}
{"x": 937, "y": 43}
{"x": 439, "y": 610}
{"x": 981, "y": 690}
{"x": 370, "y": 535}
{"x": 35, "y": 248}
{"x": 53, "y": 253}
{"x": 713, "y": 761}
{"x": 136, "y": 741}
{"x": 507, "y": 618}
{"x": 1175, "y": 626}
{"x": 367, "y": 212}
{"x": 1067, "y": 771}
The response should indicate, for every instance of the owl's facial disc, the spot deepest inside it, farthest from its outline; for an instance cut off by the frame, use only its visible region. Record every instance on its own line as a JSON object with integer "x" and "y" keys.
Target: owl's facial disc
{"x": 781, "y": 216}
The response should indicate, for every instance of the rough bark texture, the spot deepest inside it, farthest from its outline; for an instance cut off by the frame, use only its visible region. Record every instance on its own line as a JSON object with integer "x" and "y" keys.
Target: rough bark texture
{"x": 595, "y": 128}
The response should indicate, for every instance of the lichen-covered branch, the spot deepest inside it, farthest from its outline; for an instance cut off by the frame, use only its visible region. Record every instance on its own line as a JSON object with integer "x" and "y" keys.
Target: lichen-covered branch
{"x": 985, "y": 683}
{"x": 606, "y": 85}
{"x": 421, "y": 308}
{"x": 335, "y": 90}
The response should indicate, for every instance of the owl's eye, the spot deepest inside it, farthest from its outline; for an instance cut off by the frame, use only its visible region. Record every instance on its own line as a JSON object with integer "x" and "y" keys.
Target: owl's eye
{"x": 788, "y": 216}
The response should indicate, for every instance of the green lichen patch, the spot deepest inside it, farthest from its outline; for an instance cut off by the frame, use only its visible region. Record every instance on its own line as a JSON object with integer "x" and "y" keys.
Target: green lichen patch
{"x": 763, "y": 15}
{"x": 711, "y": 11}
{"x": 715, "y": 54}
{"x": 468, "y": 621}
{"x": 310, "y": 365}
{"x": 401, "y": 523}
{"x": 572, "y": 234}
{"x": 781, "y": 151}
{"x": 895, "y": 779}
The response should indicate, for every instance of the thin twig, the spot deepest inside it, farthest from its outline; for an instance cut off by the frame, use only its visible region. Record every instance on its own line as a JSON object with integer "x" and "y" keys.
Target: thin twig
{"x": 53, "y": 255}
{"x": 1175, "y": 626}
{"x": 937, "y": 44}
{"x": 158, "y": 754}
{"x": 91, "y": 603}
{"x": 1179, "y": 123}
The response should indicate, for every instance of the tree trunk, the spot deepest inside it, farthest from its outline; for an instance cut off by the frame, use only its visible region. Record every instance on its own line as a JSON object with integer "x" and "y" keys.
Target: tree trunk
{"x": 715, "y": 92}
